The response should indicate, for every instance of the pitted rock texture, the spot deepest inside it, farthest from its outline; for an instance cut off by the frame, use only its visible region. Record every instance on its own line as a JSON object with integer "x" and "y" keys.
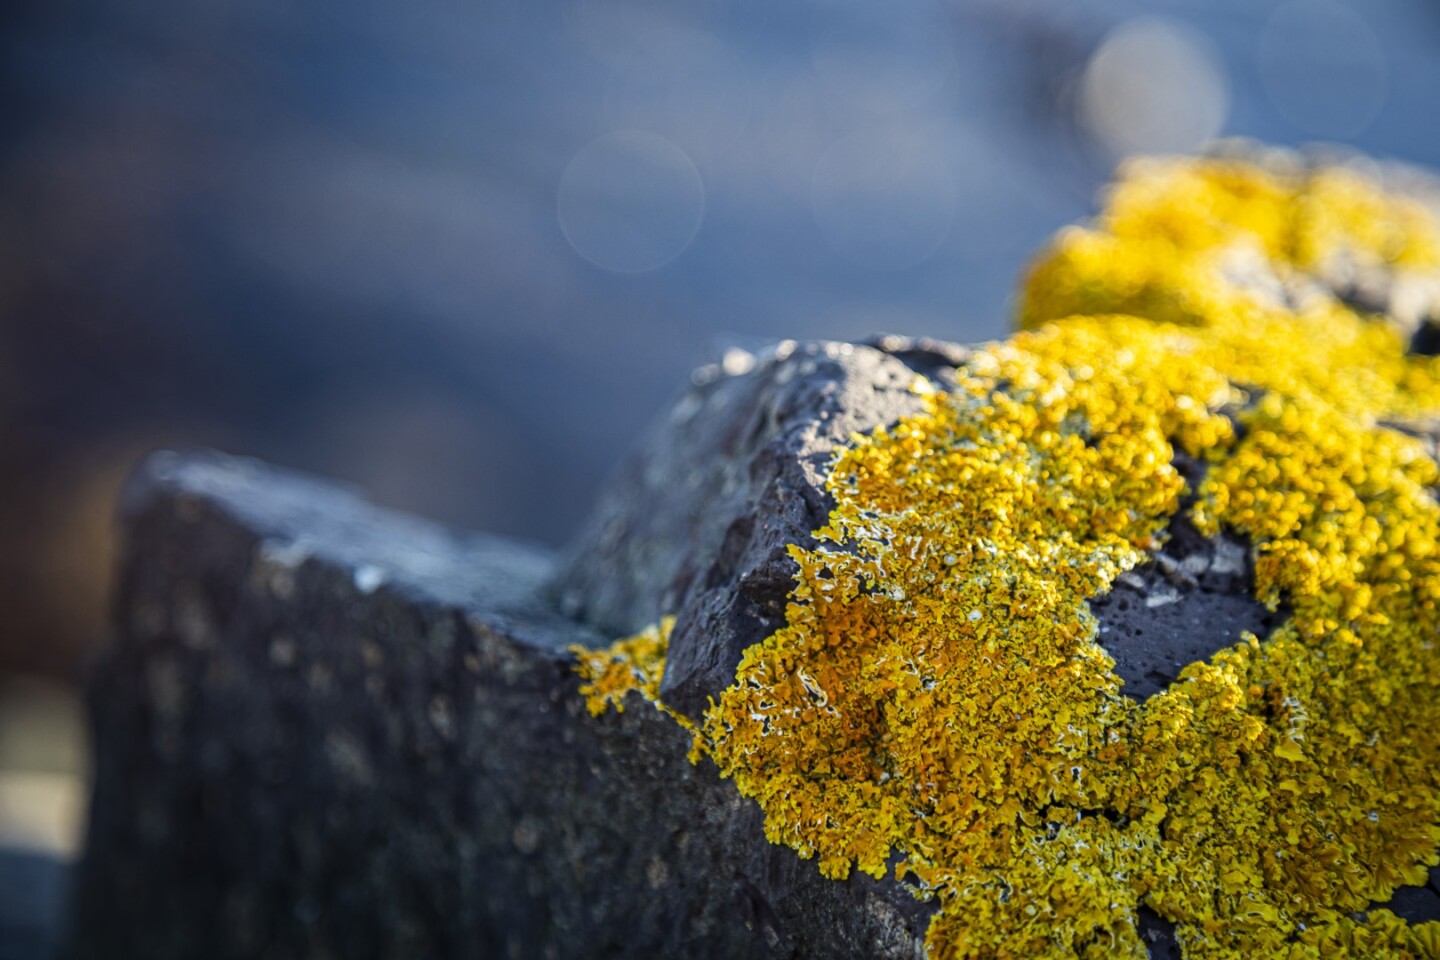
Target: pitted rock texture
{"x": 325, "y": 730}
{"x": 697, "y": 522}
{"x": 1195, "y": 597}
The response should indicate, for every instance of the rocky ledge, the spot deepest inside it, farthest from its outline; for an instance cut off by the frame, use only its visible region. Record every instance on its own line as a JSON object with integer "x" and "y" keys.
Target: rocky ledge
{"x": 324, "y": 729}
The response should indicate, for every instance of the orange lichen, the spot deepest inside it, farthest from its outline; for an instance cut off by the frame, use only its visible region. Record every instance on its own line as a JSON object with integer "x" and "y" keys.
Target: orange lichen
{"x": 937, "y": 698}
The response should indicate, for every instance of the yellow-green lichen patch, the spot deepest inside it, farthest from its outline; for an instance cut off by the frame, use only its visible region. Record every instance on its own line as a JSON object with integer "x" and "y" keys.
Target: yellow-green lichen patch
{"x": 632, "y": 664}
{"x": 937, "y": 698}
{"x": 1176, "y": 234}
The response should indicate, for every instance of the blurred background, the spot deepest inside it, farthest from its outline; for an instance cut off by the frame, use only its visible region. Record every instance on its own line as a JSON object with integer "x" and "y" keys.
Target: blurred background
{"x": 459, "y": 253}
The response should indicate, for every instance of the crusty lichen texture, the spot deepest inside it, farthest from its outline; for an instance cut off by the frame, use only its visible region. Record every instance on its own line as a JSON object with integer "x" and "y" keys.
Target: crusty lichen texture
{"x": 937, "y": 705}
{"x": 634, "y": 663}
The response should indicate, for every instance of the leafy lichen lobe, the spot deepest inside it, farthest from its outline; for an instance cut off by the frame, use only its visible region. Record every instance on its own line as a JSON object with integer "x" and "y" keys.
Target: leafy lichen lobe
{"x": 937, "y": 699}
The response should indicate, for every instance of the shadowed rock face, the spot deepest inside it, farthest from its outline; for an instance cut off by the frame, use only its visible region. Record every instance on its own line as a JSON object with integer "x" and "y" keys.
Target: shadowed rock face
{"x": 328, "y": 730}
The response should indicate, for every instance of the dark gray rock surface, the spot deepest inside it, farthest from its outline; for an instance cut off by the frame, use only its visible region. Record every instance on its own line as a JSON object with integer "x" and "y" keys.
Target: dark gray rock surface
{"x": 697, "y": 522}
{"x": 1194, "y": 597}
{"x": 327, "y": 730}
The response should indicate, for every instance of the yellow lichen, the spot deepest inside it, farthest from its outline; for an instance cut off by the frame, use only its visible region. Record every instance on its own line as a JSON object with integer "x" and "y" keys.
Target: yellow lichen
{"x": 1175, "y": 234}
{"x": 634, "y": 663}
{"x": 938, "y": 701}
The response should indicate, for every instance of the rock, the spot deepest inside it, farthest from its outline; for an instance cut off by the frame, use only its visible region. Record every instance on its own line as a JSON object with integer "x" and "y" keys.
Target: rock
{"x": 697, "y": 522}
{"x": 327, "y": 730}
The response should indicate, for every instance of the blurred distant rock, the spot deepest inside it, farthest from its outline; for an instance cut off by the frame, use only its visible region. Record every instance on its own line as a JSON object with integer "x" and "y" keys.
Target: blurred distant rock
{"x": 32, "y": 886}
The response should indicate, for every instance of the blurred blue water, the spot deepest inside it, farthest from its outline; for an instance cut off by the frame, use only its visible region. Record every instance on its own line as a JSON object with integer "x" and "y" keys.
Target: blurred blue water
{"x": 407, "y": 244}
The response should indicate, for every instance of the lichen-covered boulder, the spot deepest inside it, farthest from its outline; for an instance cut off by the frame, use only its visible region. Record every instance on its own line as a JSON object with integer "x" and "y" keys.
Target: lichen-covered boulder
{"x": 1135, "y": 616}
{"x": 1112, "y": 639}
{"x": 699, "y": 522}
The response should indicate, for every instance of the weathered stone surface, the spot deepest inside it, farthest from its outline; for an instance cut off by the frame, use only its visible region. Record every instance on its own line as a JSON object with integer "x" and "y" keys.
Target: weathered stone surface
{"x": 1195, "y": 597}
{"x": 697, "y": 522}
{"x": 326, "y": 730}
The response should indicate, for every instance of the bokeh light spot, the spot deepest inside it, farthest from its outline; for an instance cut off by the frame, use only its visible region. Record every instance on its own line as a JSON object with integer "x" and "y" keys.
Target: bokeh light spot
{"x": 1153, "y": 86}
{"x": 630, "y": 201}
